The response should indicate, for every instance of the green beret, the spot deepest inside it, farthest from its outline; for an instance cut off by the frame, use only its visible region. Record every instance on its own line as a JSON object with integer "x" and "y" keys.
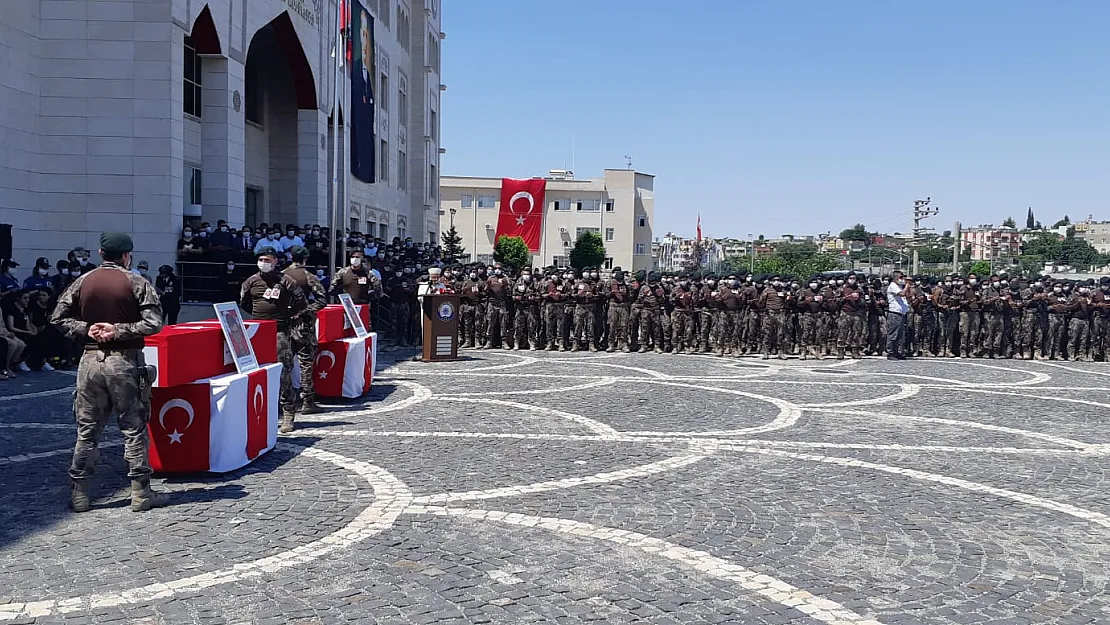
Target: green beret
{"x": 116, "y": 242}
{"x": 267, "y": 251}
{"x": 298, "y": 251}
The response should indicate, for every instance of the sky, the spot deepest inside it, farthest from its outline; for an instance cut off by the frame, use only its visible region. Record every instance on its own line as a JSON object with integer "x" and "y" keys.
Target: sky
{"x": 792, "y": 117}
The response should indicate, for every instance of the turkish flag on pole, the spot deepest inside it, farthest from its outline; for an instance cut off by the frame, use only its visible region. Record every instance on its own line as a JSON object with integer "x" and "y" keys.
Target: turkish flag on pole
{"x": 699, "y": 227}
{"x": 522, "y": 210}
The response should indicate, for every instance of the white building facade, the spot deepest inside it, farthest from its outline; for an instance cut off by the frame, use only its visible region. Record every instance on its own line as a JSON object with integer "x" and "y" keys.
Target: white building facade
{"x": 619, "y": 206}
{"x": 134, "y": 115}
{"x": 990, "y": 243}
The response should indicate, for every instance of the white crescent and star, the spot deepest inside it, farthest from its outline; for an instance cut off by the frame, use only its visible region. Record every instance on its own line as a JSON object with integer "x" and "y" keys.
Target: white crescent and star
{"x": 175, "y": 436}
{"x": 259, "y": 401}
{"x": 324, "y": 372}
{"x": 522, "y": 195}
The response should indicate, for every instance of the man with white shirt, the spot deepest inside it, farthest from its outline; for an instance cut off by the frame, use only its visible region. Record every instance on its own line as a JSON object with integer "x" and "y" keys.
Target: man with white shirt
{"x": 270, "y": 240}
{"x": 897, "y": 309}
{"x": 290, "y": 239}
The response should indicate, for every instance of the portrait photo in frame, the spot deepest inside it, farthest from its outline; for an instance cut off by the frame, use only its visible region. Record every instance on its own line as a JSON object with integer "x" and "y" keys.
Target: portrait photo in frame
{"x": 235, "y": 333}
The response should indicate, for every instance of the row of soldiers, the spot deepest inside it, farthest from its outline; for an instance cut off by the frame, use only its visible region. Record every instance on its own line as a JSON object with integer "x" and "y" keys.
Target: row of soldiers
{"x": 824, "y": 316}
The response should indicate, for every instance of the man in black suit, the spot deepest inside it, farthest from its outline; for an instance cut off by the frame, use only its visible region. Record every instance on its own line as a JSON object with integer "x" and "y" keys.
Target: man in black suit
{"x": 362, "y": 103}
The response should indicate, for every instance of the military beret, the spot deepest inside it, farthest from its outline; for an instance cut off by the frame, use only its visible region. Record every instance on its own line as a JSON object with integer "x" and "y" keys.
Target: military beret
{"x": 116, "y": 242}
{"x": 266, "y": 251}
{"x": 298, "y": 251}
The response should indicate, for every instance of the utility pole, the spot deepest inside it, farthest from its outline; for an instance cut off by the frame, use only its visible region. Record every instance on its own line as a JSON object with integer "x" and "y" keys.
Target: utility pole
{"x": 921, "y": 211}
{"x": 957, "y": 238}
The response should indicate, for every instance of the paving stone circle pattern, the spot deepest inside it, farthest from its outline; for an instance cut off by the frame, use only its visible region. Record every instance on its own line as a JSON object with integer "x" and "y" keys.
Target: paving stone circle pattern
{"x": 528, "y": 487}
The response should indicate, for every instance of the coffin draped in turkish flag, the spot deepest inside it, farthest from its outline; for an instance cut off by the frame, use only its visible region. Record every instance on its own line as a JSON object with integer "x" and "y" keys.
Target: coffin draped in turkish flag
{"x": 521, "y": 213}
{"x": 345, "y": 368}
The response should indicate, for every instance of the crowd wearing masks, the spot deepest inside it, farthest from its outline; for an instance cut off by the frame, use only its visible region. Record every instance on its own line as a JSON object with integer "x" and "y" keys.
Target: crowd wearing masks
{"x": 823, "y": 316}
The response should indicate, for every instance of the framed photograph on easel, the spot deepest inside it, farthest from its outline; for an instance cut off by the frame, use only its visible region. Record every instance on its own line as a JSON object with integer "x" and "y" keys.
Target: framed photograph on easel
{"x": 235, "y": 334}
{"x": 352, "y": 315}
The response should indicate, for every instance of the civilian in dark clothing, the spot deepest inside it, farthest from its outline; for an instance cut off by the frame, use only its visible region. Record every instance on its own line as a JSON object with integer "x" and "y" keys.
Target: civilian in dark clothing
{"x": 169, "y": 293}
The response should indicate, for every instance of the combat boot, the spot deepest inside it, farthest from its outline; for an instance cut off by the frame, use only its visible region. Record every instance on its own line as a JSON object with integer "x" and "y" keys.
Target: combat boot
{"x": 311, "y": 407}
{"x": 286, "y": 425}
{"x": 593, "y": 348}
{"x": 840, "y": 353}
{"x": 79, "y": 497}
{"x": 855, "y": 353}
{"x": 805, "y": 353}
{"x": 782, "y": 355}
{"x": 143, "y": 498}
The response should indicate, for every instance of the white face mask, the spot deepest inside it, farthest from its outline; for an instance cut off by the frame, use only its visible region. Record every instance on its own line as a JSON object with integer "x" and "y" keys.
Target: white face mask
{"x": 265, "y": 266}
{"x": 43, "y": 272}
{"x": 813, "y": 286}
{"x": 356, "y": 261}
{"x": 65, "y": 272}
{"x": 84, "y": 261}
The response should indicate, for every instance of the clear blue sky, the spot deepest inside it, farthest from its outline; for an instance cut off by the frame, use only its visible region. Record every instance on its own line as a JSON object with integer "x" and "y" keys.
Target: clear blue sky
{"x": 785, "y": 116}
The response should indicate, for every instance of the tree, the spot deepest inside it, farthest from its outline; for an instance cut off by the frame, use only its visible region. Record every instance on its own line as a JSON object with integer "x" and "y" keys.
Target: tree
{"x": 1066, "y": 221}
{"x": 452, "y": 244}
{"x": 512, "y": 251}
{"x": 980, "y": 268}
{"x": 857, "y": 232}
{"x": 697, "y": 253}
{"x": 1030, "y": 222}
{"x": 588, "y": 251}
{"x": 934, "y": 255}
{"x": 1009, "y": 223}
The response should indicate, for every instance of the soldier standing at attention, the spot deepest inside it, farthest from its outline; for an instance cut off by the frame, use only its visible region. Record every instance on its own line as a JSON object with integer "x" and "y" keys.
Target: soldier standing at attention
{"x": 303, "y": 331}
{"x": 111, "y": 310}
{"x": 270, "y": 294}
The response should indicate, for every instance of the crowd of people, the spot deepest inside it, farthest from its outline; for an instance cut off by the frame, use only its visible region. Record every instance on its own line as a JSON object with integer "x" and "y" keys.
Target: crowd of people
{"x": 831, "y": 315}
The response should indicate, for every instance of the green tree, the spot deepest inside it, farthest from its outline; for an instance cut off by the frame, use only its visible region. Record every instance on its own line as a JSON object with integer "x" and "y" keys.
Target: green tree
{"x": 588, "y": 251}
{"x": 1030, "y": 222}
{"x": 980, "y": 268}
{"x": 512, "y": 251}
{"x": 1009, "y": 223}
{"x": 934, "y": 255}
{"x": 857, "y": 232}
{"x": 1066, "y": 221}
{"x": 452, "y": 244}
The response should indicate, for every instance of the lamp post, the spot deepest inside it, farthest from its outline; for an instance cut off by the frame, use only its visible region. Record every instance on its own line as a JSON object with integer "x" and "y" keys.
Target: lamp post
{"x": 453, "y": 211}
{"x": 751, "y": 257}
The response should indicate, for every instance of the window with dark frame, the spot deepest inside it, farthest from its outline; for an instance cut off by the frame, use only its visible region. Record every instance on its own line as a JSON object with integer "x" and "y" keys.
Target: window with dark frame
{"x": 192, "y": 80}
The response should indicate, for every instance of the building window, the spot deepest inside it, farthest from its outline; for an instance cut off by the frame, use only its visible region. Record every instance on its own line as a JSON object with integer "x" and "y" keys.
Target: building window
{"x": 578, "y": 205}
{"x": 383, "y": 13}
{"x": 192, "y": 185}
{"x": 371, "y": 228}
{"x": 383, "y": 231}
{"x": 467, "y": 200}
{"x": 609, "y": 262}
{"x": 433, "y": 125}
{"x": 561, "y": 205}
{"x": 253, "y": 100}
{"x": 640, "y": 248}
{"x": 383, "y": 171}
{"x": 485, "y": 259}
{"x": 609, "y": 234}
{"x": 609, "y": 206}
{"x": 431, "y": 237}
{"x": 403, "y": 27}
{"x": 486, "y": 201}
{"x": 566, "y": 243}
{"x": 578, "y": 232}
{"x": 385, "y": 93}
{"x": 433, "y": 53}
{"x": 588, "y": 205}
{"x": 402, "y": 171}
{"x": 433, "y": 183}
{"x": 642, "y": 222}
{"x": 561, "y": 261}
{"x": 192, "y": 79}
{"x": 402, "y": 101}
{"x": 252, "y": 204}
{"x": 354, "y": 224}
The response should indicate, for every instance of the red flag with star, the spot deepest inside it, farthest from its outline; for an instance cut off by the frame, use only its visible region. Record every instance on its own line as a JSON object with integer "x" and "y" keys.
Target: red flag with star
{"x": 522, "y": 208}
{"x": 258, "y": 401}
{"x": 179, "y": 427}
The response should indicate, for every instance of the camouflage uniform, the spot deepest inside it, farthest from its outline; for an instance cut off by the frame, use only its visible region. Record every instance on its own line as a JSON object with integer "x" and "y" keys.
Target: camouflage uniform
{"x": 468, "y": 311}
{"x": 302, "y": 333}
{"x": 620, "y": 316}
{"x": 277, "y": 297}
{"x": 584, "y": 332}
{"x": 111, "y": 379}
{"x": 650, "y": 298}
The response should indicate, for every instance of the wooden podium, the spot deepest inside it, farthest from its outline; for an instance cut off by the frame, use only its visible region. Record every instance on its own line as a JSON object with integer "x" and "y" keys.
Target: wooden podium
{"x": 440, "y": 327}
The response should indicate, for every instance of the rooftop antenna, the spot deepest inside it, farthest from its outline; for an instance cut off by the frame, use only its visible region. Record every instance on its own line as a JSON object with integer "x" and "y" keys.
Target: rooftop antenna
{"x": 628, "y": 160}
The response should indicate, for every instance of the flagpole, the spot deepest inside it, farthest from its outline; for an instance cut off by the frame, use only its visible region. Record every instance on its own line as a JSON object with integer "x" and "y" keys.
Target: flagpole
{"x": 336, "y": 224}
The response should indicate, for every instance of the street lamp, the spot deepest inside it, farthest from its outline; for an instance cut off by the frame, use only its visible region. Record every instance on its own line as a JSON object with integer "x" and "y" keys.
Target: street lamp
{"x": 453, "y": 211}
{"x": 751, "y": 257}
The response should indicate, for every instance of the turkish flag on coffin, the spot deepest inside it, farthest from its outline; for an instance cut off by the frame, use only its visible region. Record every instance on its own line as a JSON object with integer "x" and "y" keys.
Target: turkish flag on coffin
{"x": 345, "y": 368}
{"x": 218, "y": 424}
{"x": 522, "y": 208}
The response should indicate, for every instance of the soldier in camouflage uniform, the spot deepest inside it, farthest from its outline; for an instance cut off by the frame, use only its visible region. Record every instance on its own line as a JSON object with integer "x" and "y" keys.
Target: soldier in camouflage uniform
{"x": 303, "y": 331}
{"x": 650, "y": 298}
{"x": 526, "y": 304}
{"x": 110, "y": 310}
{"x": 272, "y": 295}
{"x": 620, "y": 313}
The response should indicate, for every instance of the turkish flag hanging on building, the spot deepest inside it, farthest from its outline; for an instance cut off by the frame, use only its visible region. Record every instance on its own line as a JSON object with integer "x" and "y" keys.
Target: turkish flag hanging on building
{"x": 179, "y": 428}
{"x": 522, "y": 209}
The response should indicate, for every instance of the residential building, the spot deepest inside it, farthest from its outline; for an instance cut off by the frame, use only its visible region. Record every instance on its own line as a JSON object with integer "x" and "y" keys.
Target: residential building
{"x": 1097, "y": 233}
{"x": 987, "y": 242}
{"x": 141, "y": 115}
{"x": 620, "y": 206}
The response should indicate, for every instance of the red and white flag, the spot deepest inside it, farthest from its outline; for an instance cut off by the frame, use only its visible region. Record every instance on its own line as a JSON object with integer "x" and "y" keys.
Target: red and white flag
{"x": 699, "y": 228}
{"x": 344, "y": 368}
{"x": 181, "y": 417}
{"x": 522, "y": 208}
{"x": 258, "y": 403}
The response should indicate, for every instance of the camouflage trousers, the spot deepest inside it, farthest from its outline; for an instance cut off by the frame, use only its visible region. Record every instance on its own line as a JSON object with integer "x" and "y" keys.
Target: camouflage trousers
{"x": 480, "y": 335}
{"x": 751, "y": 330}
{"x": 650, "y": 328}
{"x": 970, "y": 322}
{"x": 303, "y": 343}
{"x": 949, "y": 331}
{"x": 619, "y": 319}
{"x": 109, "y": 382}
{"x": 851, "y": 332}
{"x": 682, "y": 329}
{"x": 554, "y": 322}
{"x": 498, "y": 324}
{"x": 728, "y": 330}
{"x": 285, "y": 357}
{"x": 585, "y": 333}
{"x": 994, "y": 326}
{"x": 634, "y": 326}
{"x": 1100, "y": 338}
{"x": 773, "y": 331}
{"x": 925, "y": 337}
{"x": 1057, "y": 330}
{"x": 808, "y": 338}
{"x": 402, "y": 321}
{"x": 467, "y": 324}
{"x": 1078, "y": 331}
{"x": 707, "y": 330}
{"x": 526, "y": 326}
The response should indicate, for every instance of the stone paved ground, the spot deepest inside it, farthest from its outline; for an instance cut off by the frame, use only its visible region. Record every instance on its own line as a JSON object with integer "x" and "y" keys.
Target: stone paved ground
{"x": 521, "y": 487}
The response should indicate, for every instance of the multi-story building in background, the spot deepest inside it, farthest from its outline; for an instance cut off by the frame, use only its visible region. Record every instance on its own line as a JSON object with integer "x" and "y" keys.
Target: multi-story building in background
{"x": 619, "y": 206}
{"x": 1097, "y": 233}
{"x": 987, "y": 242}
{"x": 138, "y": 115}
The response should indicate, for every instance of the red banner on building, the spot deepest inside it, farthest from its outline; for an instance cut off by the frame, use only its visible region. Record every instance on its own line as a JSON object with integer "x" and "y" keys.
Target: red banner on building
{"x": 521, "y": 213}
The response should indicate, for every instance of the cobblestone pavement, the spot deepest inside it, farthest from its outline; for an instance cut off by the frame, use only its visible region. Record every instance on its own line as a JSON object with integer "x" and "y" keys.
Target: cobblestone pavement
{"x": 528, "y": 487}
